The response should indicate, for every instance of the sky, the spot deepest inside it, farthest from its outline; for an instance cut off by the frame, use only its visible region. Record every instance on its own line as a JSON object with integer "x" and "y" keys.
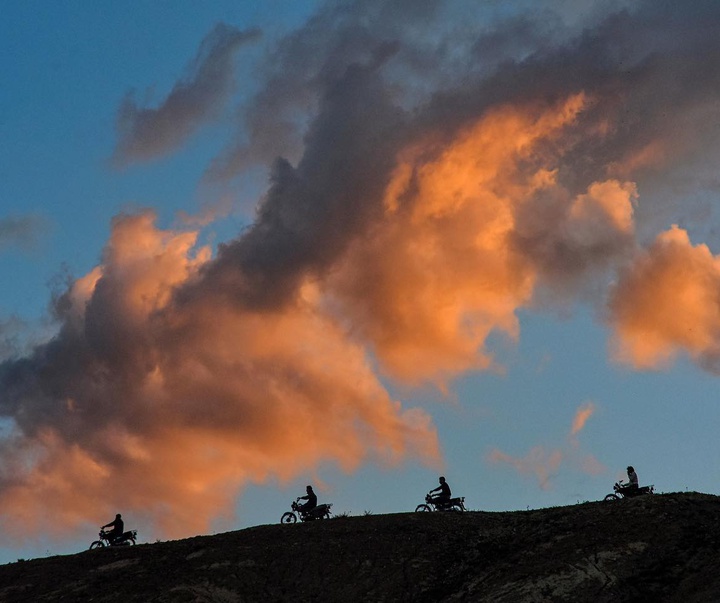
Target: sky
{"x": 247, "y": 247}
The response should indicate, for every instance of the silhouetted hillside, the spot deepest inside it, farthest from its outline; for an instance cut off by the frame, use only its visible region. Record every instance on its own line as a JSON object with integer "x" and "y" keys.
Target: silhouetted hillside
{"x": 653, "y": 548}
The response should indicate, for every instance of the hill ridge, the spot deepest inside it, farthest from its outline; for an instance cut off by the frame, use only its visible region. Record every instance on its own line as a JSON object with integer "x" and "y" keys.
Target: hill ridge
{"x": 664, "y": 547}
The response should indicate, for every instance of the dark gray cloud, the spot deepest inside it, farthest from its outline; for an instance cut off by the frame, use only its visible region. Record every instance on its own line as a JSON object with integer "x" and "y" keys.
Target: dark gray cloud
{"x": 295, "y": 74}
{"x": 11, "y": 330}
{"x": 24, "y": 232}
{"x": 312, "y": 211}
{"x": 439, "y": 45}
{"x": 147, "y": 133}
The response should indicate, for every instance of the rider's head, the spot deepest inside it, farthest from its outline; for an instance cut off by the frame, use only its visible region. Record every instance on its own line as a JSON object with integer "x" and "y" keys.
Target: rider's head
{"x": 442, "y": 479}
{"x": 308, "y": 489}
{"x": 630, "y": 468}
{"x": 118, "y": 516}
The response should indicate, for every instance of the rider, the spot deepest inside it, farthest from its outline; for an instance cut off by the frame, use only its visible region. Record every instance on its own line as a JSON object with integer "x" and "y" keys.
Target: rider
{"x": 311, "y": 500}
{"x": 444, "y": 497}
{"x": 118, "y": 528}
{"x": 632, "y": 486}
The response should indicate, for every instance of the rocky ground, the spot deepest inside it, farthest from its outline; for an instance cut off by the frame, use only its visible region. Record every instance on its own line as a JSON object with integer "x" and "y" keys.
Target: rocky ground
{"x": 653, "y": 548}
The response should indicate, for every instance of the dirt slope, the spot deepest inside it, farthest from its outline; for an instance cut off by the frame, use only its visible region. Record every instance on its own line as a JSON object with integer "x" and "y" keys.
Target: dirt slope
{"x": 654, "y": 548}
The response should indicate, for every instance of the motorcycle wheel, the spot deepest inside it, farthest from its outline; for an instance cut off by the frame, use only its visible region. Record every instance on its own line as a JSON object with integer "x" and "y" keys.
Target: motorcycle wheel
{"x": 98, "y": 544}
{"x": 458, "y": 508}
{"x": 612, "y": 497}
{"x": 422, "y": 508}
{"x": 288, "y": 517}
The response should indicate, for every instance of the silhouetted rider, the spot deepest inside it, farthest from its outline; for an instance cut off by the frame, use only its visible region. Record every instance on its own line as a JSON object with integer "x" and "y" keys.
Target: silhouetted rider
{"x": 632, "y": 486}
{"x": 445, "y": 494}
{"x": 311, "y": 500}
{"x": 118, "y": 528}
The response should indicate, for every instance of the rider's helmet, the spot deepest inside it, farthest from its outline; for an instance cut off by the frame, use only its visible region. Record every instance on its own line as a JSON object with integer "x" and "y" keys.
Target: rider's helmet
{"x": 118, "y": 516}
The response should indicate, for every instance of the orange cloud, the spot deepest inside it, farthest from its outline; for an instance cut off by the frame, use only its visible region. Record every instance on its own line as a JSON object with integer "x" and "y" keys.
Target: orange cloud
{"x": 606, "y": 204}
{"x": 429, "y": 284}
{"x": 666, "y": 302}
{"x": 176, "y": 378}
{"x": 538, "y": 462}
{"x": 544, "y": 464}
{"x": 164, "y": 411}
{"x": 581, "y": 416}
{"x": 465, "y": 239}
{"x": 426, "y": 204}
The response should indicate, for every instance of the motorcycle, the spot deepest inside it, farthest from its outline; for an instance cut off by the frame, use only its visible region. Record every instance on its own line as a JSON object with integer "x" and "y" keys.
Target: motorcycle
{"x": 128, "y": 538}
{"x": 432, "y": 504}
{"x": 621, "y": 491}
{"x": 319, "y": 512}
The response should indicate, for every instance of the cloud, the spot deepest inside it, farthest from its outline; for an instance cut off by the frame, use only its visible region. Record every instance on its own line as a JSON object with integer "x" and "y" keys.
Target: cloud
{"x": 542, "y": 464}
{"x": 168, "y": 410}
{"x": 148, "y": 133}
{"x": 458, "y": 250}
{"x": 581, "y": 416}
{"x": 11, "y": 330}
{"x": 22, "y": 231}
{"x": 565, "y": 232}
{"x": 420, "y": 195}
{"x": 312, "y": 211}
{"x": 297, "y": 73}
{"x": 545, "y": 464}
{"x": 665, "y": 303}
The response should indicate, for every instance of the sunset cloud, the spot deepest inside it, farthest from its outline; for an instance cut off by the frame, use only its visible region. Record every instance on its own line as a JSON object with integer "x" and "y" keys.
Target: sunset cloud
{"x": 540, "y": 463}
{"x": 167, "y": 411}
{"x": 438, "y": 275}
{"x": 544, "y": 464}
{"x": 581, "y": 417}
{"x": 463, "y": 242}
{"x": 427, "y": 184}
{"x": 666, "y": 303}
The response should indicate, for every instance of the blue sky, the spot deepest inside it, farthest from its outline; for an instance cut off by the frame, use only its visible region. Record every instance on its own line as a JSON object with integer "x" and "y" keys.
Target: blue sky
{"x": 583, "y": 339}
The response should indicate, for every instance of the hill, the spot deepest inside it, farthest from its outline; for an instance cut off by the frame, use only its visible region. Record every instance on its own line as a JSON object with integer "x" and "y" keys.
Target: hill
{"x": 653, "y": 548}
